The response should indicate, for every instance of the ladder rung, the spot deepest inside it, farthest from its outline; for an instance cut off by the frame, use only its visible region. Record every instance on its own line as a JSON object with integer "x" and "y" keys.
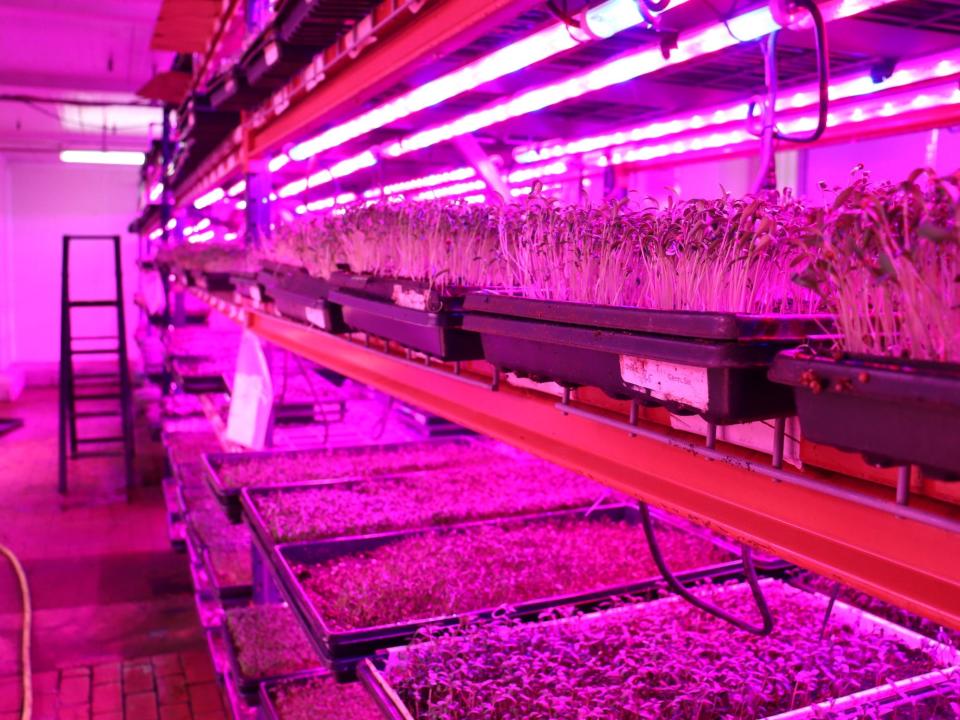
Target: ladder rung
{"x": 91, "y": 303}
{"x": 94, "y": 337}
{"x": 97, "y": 413}
{"x": 100, "y": 439}
{"x": 91, "y": 376}
{"x": 97, "y": 396}
{"x": 99, "y": 351}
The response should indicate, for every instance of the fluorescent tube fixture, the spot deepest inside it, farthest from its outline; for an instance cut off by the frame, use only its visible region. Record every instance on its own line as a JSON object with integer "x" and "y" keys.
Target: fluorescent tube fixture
{"x": 237, "y": 188}
{"x": 102, "y": 157}
{"x": 208, "y": 199}
{"x": 648, "y": 59}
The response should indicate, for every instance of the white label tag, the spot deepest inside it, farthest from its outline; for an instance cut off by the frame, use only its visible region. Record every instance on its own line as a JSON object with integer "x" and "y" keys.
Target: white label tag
{"x": 251, "y": 401}
{"x": 412, "y": 299}
{"x": 271, "y": 53}
{"x": 256, "y": 294}
{"x": 667, "y": 381}
{"x": 316, "y": 316}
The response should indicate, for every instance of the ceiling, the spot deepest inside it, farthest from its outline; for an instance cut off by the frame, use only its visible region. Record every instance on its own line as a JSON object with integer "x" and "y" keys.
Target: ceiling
{"x": 71, "y": 49}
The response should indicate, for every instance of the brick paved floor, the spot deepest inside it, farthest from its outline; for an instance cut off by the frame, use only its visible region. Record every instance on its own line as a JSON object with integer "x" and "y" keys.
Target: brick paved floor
{"x": 175, "y": 686}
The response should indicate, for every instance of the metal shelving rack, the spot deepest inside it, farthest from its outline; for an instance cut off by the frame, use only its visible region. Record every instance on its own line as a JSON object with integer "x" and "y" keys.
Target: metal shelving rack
{"x": 842, "y": 527}
{"x": 840, "y": 524}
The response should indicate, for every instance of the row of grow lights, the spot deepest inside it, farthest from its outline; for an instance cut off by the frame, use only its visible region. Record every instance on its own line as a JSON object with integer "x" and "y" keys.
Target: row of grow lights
{"x": 708, "y": 129}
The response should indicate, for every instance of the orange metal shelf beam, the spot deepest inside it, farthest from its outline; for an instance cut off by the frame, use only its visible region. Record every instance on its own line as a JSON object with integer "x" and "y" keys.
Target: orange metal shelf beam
{"x": 904, "y": 561}
{"x": 440, "y": 26}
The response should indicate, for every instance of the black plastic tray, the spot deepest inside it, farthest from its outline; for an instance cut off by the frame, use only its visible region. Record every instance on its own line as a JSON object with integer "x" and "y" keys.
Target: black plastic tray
{"x": 437, "y": 334}
{"x": 214, "y": 281}
{"x": 318, "y": 23}
{"x": 229, "y": 91}
{"x": 229, "y": 498}
{"x": 227, "y": 595}
{"x": 298, "y": 296}
{"x": 249, "y": 688}
{"x": 348, "y": 647}
{"x": 258, "y": 526}
{"x": 271, "y": 62}
{"x": 248, "y": 285}
{"x": 267, "y": 711}
{"x": 893, "y": 412}
{"x": 576, "y": 344}
{"x": 8, "y": 425}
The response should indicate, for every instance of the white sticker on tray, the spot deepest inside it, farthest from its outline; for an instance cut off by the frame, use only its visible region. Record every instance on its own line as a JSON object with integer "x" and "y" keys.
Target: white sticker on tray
{"x": 412, "y": 299}
{"x": 256, "y": 294}
{"x": 316, "y": 316}
{"x": 667, "y": 381}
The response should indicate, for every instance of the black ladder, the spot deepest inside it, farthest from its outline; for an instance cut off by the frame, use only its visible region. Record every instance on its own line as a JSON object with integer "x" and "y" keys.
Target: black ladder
{"x": 108, "y": 389}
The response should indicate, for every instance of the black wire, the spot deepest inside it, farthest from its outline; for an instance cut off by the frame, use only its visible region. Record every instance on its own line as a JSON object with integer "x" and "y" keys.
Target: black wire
{"x": 676, "y": 586}
{"x": 823, "y": 74}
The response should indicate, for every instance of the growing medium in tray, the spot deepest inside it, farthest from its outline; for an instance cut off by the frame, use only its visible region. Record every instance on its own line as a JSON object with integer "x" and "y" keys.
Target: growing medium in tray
{"x": 322, "y": 697}
{"x": 364, "y": 461}
{"x": 431, "y": 574}
{"x": 228, "y": 547}
{"x": 440, "y": 497}
{"x": 662, "y": 660}
{"x": 269, "y": 642}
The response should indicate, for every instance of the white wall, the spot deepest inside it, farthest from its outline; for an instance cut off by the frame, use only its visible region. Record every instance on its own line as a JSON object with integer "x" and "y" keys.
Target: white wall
{"x": 45, "y": 200}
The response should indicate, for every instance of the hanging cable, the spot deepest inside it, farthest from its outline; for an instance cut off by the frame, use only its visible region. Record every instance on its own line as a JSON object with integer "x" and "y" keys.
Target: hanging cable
{"x": 677, "y": 587}
{"x": 823, "y": 75}
{"x": 26, "y": 709}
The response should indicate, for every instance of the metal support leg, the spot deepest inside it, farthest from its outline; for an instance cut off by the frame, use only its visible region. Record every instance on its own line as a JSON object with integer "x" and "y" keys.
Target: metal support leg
{"x": 711, "y": 435}
{"x": 779, "y": 433}
{"x": 903, "y": 485}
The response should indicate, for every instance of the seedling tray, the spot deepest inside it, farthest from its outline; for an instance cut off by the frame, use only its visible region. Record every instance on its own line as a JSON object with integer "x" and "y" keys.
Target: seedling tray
{"x": 370, "y": 671}
{"x": 345, "y": 648}
{"x": 214, "y": 281}
{"x": 264, "y": 538}
{"x": 269, "y": 711}
{"x": 229, "y": 497}
{"x": 711, "y": 364}
{"x": 411, "y": 314}
{"x": 247, "y": 285}
{"x": 298, "y": 296}
{"x": 226, "y": 595}
{"x": 894, "y": 412}
{"x": 248, "y": 688}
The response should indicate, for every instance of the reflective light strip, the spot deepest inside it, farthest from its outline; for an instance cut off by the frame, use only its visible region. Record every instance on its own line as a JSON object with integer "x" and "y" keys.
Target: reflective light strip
{"x": 603, "y": 21}
{"x": 906, "y": 73}
{"x": 208, "y": 199}
{"x": 155, "y": 192}
{"x": 202, "y": 238}
{"x": 454, "y": 190}
{"x": 237, "y": 188}
{"x": 341, "y": 169}
{"x": 156, "y": 234}
{"x": 102, "y": 157}
{"x": 851, "y": 112}
{"x": 695, "y": 43}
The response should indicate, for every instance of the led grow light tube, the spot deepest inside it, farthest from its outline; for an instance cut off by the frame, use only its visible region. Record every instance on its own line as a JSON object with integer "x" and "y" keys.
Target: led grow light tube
{"x": 906, "y": 73}
{"x": 698, "y": 42}
{"x": 102, "y": 157}
{"x": 464, "y": 188}
{"x": 208, "y": 199}
{"x": 602, "y": 21}
{"x": 237, "y": 188}
{"x": 851, "y": 112}
{"x": 155, "y": 192}
{"x": 156, "y": 234}
{"x": 202, "y": 237}
{"x": 341, "y": 169}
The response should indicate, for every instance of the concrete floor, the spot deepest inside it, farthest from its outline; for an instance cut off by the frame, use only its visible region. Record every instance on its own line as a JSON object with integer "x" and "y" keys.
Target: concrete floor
{"x": 106, "y": 586}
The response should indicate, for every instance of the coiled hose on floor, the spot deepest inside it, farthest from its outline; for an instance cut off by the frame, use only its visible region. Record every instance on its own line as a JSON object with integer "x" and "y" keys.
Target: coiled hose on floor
{"x": 26, "y": 711}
